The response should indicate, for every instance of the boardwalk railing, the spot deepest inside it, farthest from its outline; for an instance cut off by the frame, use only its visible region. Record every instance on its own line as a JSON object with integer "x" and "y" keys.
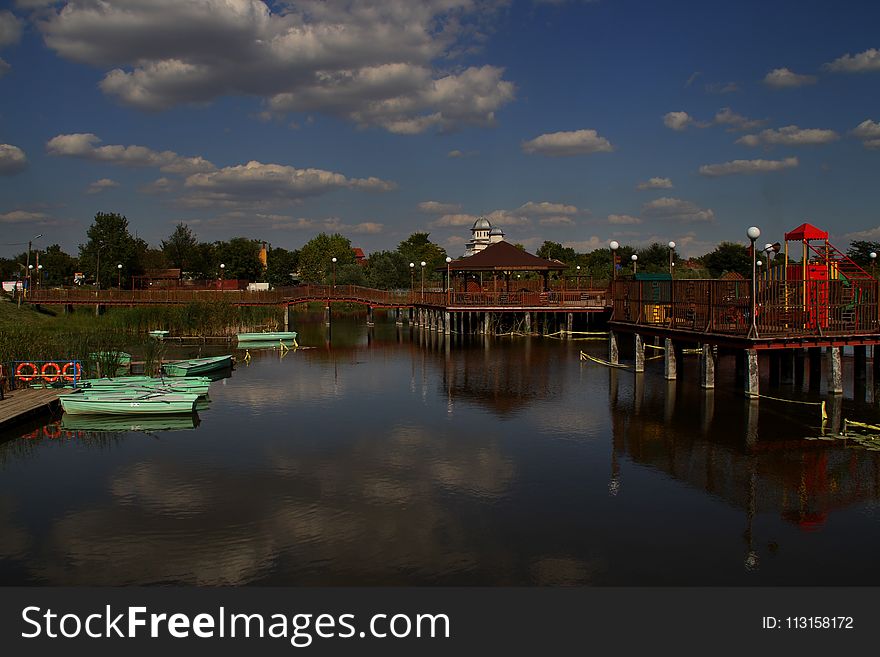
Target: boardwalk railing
{"x": 592, "y": 298}
{"x": 782, "y": 308}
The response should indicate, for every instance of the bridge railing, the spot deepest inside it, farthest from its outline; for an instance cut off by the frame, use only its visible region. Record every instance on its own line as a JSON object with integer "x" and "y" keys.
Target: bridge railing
{"x": 553, "y": 298}
{"x": 782, "y": 308}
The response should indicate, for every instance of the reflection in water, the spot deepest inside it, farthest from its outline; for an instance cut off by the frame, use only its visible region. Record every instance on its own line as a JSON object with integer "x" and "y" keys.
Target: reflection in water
{"x": 398, "y": 456}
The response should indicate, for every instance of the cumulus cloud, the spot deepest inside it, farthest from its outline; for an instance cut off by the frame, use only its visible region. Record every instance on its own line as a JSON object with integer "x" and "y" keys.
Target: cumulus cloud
{"x": 370, "y": 61}
{"x": 621, "y": 219}
{"x": 722, "y": 87}
{"x": 457, "y": 153}
{"x": 436, "y": 207}
{"x": 862, "y": 62}
{"x": 161, "y": 185}
{"x": 783, "y": 78}
{"x": 546, "y": 208}
{"x": 12, "y": 160}
{"x": 869, "y": 132}
{"x": 556, "y": 220}
{"x": 10, "y": 29}
{"x": 85, "y": 145}
{"x": 790, "y": 135}
{"x": 677, "y": 210}
{"x": 101, "y": 185}
{"x": 256, "y": 181}
{"x": 678, "y": 121}
{"x": 22, "y": 217}
{"x": 655, "y": 183}
{"x": 562, "y": 144}
{"x": 458, "y": 219}
{"x": 733, "y": 121}
{"x": 584, "y": 246}
{"x": 501, "y": 218}
{"x": 747, "y": 166}
{"x": 368, "y": 228}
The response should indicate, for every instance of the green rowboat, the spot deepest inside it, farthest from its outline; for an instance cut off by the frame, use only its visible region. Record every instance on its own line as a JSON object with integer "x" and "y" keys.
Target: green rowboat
{"x": 118, "y": 423}
{"x": 197, "y": 366}
{"x": 274, "y": 336}
{"x": 128, "y": 404}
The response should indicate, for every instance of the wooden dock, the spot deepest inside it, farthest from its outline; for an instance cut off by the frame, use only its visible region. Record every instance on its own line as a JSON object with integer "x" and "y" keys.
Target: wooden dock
{"x": 23, "y": 403}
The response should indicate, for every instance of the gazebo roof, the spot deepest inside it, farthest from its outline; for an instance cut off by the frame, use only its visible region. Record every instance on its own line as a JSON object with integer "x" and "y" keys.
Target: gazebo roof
{"x": 806, "y": 232}
{"x": 504, "y": 256}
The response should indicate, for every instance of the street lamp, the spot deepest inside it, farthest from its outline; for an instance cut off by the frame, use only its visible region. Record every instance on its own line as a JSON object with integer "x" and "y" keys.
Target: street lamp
{"x": 30, "y": 278}
{"x": 333, "y": 260}
{"x": 27, "y": 263}
{"x": 671, "y": 258}
{"x": 448, "y": 277}
{"x": 119, "y": 276}
{"x": 423, "y": 263}
{"x": 577, "y": 277}
{"x": 40, "y": 275}
{"x": 614, "y": 245}
{"x": 412, "y": 280}
{"x": 873, "y": 256}
{"x": 222, "y": 274}
{"x": 753, "y": 233}
{"x": 635, "y": 260}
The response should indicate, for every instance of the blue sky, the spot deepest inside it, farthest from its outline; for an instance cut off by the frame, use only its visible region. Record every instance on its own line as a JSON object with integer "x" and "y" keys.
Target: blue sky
{"x": 572, "y": 121}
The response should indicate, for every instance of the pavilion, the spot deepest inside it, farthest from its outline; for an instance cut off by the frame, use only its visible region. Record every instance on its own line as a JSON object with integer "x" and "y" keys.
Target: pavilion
{"x": 504, "y": 258}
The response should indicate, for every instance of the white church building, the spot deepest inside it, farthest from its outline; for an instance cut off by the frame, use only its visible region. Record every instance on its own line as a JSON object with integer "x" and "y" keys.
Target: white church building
{"x": 483, "y": 234}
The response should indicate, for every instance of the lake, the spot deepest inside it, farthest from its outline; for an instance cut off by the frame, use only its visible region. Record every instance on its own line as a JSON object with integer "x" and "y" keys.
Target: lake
{"x": 395, "y": 456}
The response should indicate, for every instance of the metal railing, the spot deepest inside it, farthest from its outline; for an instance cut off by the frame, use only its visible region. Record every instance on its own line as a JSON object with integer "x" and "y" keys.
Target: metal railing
{"x": 782, "y": 308}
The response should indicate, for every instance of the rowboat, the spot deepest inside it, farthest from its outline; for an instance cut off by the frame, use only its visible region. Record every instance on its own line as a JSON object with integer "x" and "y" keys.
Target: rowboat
{"x": 157, "y": 334}
{"x": 197, "y": 366}
{"x": 128, "y": 404}
{"x": 182, "y": 385}
{"x": 269, "y": 336}
{"x": 123, "y": 423}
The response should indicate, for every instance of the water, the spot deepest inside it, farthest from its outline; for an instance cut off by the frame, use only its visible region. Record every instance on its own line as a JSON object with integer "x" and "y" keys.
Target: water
{"x": 393, "y": 459}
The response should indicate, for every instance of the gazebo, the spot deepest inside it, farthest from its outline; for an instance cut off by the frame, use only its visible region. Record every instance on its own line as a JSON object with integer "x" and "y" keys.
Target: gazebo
{"x": 504, "y": 258}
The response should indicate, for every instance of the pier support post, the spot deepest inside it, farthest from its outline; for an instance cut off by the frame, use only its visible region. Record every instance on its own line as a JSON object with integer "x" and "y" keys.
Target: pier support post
{"x": 528, "y": 322}
{"x": 447, "y": 325}
{"x": 707, "y": 367}
{"x": 670, "y": 369}
{"x": 398, "y": 317}
{"x": 835, "y": 374}
{"x": 285, "y": 317}
{"x": 369, "y": 315}
{"x": 487, "y": 323}
{"x": 327, "y": 315}
{"x": 860, "y": 363}
{"x": 752, "y": 373}
{"x": 613, "y": 353}
{"x": 640, "y": 354}
{"x": 569, "y": 325}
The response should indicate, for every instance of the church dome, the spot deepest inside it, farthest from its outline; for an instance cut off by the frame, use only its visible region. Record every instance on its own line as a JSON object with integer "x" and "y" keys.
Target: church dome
{"x": 482, "y": 224}
{"x": 496, "y": 230}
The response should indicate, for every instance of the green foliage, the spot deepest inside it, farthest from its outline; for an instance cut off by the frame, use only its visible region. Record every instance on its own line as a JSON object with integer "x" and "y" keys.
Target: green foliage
{"x": 281, "y": 266}
{"x": 110, "y": 244}
{"x": 859, "y": 251}
{"x": 417, "y": 248}
{"x": 654, "y": 258}
{"x": 58, "y": 266}
{"x": 241, "y": 257}
{"x": 315, "y": 257}
{"x": 181, "y": 248}
{"x": 555, "y": 251}
{"x": 728, "y": 257}
{"x": 387, "y": 270}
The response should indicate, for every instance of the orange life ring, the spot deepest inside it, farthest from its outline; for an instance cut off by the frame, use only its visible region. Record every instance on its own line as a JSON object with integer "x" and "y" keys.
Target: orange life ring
{"x": 77, "y": 371}
{"x": 51, "y": 377}
{"x": 29, "y": 376}
{"x": 52, "y": 431}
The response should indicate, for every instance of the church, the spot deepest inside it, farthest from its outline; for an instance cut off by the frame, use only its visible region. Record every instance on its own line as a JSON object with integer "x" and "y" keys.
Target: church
{"x": 483, "y": 234}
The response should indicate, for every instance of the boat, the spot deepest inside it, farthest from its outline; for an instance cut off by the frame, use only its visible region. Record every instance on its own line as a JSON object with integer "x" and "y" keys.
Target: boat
{"x": 268, "y": 336}
{"x": 118, "y": 423}
{"x": 195, "y": 366}
{"x": 184, "y": 385}
{"x": 108, "y": 403}
{"x": 159, "y": 335}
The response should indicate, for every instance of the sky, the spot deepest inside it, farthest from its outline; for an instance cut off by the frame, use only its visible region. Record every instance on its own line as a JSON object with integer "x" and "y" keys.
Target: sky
{"x": 566, "y": 120}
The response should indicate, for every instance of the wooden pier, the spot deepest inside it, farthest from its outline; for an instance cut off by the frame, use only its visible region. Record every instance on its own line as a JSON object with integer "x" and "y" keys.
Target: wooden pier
{"x": 23, "y": 403}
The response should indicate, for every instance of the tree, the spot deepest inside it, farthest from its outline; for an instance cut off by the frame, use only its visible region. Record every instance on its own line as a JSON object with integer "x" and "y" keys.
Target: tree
{"x": 728, "y": 257}
{"x": 181, "y": 248}
{"x": 241, "y": 257}
{"x": 387, "y": 270}
{"x": 281, "y": 266}
{"x": 110, "y": 244}
{"x": 654, "y": 258}
{"x": 859, "y": 252}
{"x": 316, "y": 257}
{"x": 417, "y": 248}
{"x": 58, "y": 266}
{"x": 555, "y": 251}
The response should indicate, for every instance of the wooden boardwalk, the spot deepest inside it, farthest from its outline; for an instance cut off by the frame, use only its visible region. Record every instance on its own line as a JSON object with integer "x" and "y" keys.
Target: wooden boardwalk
{"x": 22, "y": 403}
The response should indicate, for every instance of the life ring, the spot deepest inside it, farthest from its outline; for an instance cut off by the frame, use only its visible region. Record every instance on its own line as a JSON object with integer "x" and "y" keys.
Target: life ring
{"x": 52, "y": 431}
{"x": 26, "y": 376}
{"x": 77, "y": 371}
{"x": 54, "y": 375}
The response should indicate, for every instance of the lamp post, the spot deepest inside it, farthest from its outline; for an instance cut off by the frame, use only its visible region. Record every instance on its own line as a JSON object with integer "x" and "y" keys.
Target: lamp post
{"x": 222, "y": 274}
{"x": 671, "y": 259}
{"x": 873, "y": 256}
{"x": 423, "y": 263}
{"x": 613, "y": 245}
{"x": 27, "y": 263}
{"x": 412, "y": 280}
{"x": 39, "y": 275}
{"x": 448, "y": 280}
{"x": 577, "y": 276}
{"x": 753, "y": 233}
{"x": 635, "y": 260}
{"x": 119, "y": 276}
{"x": 30, "y": 276}
{"x": 333, "y": 260}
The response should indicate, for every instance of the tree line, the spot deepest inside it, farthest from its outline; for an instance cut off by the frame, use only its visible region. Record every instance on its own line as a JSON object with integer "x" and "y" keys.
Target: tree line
{"x": 110, "y": 243}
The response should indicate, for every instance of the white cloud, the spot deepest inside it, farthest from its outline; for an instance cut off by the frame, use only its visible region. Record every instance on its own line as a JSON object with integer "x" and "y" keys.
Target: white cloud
{"x": 10, "y": 29}
{"x": 733, "y": 121}
{"x": 22, "y": 217}
{"x": 722, "y": 87}
{"x": 502, "y": 218}
{"x": 454, "y": 220}
{"x": 436, "y": 207}
{"x": 790, "y": 135}
{"x": 871, "y": 234}
{"x": 862, "y": 62}
{"x": 370, "y": 61}
{"x": 747, "y": 167}
{"x": 556, "y": 220}
{"x": 585, "y": 246}
{"x": 562, "y": 144}
{"x": 783, "y": 78}
{"x": 368, "y": 228}
{"x": 4, "y": 67}
{"x": 269, "y": 183}
{"x": 457, "y": 153}
{"x": 869, "y": 132}
{"x": 678, "y": 210}
{"x": 655, "y": 183}
{"x": 161, "y": 185}
{"x": 101, "y": 185}
{"x": 678, "y": 121}
{"x": 84, "y": 145}
{"x": 545, "y": 208}
{"x": 621, "y": 219}
{"x": 12, "y": 160}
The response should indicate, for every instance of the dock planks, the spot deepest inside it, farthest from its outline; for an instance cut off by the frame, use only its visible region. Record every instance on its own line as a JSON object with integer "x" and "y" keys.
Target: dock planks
{"x": 19, "y": 404}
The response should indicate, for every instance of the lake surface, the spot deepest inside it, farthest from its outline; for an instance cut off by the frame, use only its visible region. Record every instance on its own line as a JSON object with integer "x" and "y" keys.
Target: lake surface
{"x": 391, "y": 456}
